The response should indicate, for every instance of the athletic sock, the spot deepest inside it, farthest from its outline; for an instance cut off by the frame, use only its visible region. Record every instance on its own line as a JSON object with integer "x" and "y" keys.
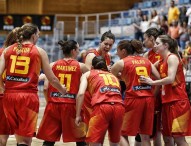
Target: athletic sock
{"x": 80, "y": 143}
{"x": 48, "y": 143}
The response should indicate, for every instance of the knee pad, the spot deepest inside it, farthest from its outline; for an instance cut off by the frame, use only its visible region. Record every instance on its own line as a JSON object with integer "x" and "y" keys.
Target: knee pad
{"x": 48, "y": 143}
{"x": 138, "y": 138}
{"x": 80, "y": 143}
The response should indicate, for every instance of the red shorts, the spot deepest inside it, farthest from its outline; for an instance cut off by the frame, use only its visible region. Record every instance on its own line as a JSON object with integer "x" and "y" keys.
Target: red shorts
{"x": 21, "y": 110}
{"x": 87, "y": 108}
{"x": 176, "y": 118}
{"x": 105, "y": 117}
{"x": 59, "y": 119}
{"x": 139, "y": 114}
{"x": 4, "y": 128}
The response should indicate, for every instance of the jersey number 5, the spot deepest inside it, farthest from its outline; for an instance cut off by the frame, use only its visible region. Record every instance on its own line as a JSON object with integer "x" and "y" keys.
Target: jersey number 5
{"x": 20, "y": 62}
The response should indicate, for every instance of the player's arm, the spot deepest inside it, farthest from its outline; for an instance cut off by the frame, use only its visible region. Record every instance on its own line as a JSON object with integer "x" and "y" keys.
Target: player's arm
{"x": 45, "y": 89}
{"x": 172, "y": 70}
{"x": 88, "y": 61}
{"x": 156, "y": 64}
{"x": 41, "y": 77}
{"x": 80, "y": 96}
{"x": 46, "y": 82}
{"x": 155, "y": 72}
{"x": 83, "y": 68}
{"x": 117, "y": 68}
{"x": 49, "y": 74}
{"x": 2, "y": 68}
{"x": 146, "y": 55}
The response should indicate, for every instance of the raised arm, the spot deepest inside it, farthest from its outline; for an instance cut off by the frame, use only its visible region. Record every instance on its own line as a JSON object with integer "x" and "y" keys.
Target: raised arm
{"x": 117, "y": 68}
{"x": 83, "y": 68}
{"x": 88, "y": 61}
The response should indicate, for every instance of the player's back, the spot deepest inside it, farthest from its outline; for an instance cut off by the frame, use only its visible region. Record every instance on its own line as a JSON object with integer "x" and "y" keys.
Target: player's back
{"x": 22, "y": 68}
{"x": 104, "y": 87}
{"x": 69, "y": 73}
{"x": 134, "y": 67}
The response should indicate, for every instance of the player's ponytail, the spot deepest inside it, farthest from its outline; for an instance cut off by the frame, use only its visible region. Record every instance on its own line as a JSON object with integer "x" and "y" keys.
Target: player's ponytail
{"x": 67, "y": 46}
{"x": 137, "y": 46}
{"x": 98, "y": 62}
{"x": 11, "y": 37}
{"x": 131, "y": 46}
{"x": 20, "y": 39}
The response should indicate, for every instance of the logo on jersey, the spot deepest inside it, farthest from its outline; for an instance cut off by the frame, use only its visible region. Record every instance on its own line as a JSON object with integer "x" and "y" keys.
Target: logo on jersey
{"x": 142, "y": 87}
{"x": 112, "y": 89}
{"x": 17, "y": 79}
{"x": 58, "y": 94}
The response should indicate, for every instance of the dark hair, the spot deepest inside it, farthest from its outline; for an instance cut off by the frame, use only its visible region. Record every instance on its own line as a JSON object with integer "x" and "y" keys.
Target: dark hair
{"x": 131, "y": 46}
{"x": 98, "y": 62}
{"x": 154, "y": 32}
{"x": 67, "y": 46}
{"x": 25, "y": 33}
{"x": 11, "y": 37}
{"x": 172, "y": 43}
{"x": 109, "y": 35}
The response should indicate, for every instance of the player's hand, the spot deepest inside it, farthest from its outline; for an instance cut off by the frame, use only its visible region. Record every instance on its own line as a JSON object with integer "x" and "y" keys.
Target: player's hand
{"x": 146, "y": 80}
{"x": 64, "y": 89}
{"x": 109, "y": 68}
{"x": 41, "y": 77}
{"x": 78, "y": 120}
{"x": 2, "y": 90}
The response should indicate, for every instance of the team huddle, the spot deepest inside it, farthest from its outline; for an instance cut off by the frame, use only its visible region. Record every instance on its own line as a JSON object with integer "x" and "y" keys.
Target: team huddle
{"x": 86, "y": 99}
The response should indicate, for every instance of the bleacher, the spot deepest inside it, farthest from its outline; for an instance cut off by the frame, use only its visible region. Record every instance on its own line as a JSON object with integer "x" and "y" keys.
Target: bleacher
{"x": 121, "y": 26}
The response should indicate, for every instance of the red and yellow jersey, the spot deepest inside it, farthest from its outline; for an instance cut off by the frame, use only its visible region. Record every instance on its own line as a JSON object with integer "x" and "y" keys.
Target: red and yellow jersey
{"x": 153, "y": 56}
{"x": 134, "y": 67}
{"x": 69, "y": 73}
{"x": 94, "y": 51}
{"x": 104, "y": 87}
{"x": 177, "y": 90}
{"x": 22, "y": 68}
